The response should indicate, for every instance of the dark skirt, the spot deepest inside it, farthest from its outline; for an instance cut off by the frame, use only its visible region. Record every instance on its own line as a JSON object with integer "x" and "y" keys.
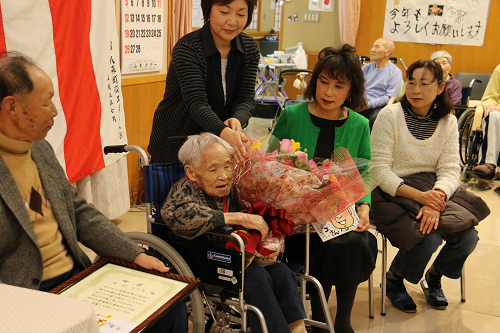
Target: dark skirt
{"x": 342, "y": 261}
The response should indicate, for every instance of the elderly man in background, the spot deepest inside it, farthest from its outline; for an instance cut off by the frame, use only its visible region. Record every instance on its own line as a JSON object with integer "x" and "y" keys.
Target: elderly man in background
{"x": 41, "y": 217}
{"x": 490, "y": 147}
{"x": 453, "y": 86}
{"x": 383, "y": 79}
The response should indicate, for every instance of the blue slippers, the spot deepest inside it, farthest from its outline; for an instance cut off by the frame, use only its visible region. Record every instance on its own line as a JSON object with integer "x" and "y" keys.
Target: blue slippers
{"x": 434, "y": 296}
{"x": 402, "y": 301}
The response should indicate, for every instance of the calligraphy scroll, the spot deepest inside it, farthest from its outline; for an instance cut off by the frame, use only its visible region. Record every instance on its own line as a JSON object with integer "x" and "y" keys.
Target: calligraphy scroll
{"x": 461, "y": 22}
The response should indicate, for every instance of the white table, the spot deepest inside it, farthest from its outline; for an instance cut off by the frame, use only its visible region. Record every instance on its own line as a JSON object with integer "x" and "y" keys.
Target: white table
{"x": 26, "y": 311}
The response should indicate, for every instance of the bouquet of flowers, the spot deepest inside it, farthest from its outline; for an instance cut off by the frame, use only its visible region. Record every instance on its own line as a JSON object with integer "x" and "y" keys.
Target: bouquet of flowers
{"x": 307, "y": 191}
{"x": 297, "y": 190}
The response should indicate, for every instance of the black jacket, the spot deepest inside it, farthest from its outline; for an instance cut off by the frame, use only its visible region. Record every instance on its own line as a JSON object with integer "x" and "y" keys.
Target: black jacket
{"x": 396, "y": 216}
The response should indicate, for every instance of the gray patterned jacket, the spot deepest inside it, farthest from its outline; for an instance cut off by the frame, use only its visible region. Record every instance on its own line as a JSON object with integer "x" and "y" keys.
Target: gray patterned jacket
{"x": 189, "y": 212}
{"x": 21, "y": 262}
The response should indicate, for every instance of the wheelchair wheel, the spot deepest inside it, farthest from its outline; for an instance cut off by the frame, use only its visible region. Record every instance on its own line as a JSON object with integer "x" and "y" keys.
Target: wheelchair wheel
{"x": 465, "y": 134}
{"x": 158, "y": 248}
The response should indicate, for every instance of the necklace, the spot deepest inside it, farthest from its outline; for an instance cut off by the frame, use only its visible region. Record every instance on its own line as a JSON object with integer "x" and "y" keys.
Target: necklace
{"x": 329, "y": 118}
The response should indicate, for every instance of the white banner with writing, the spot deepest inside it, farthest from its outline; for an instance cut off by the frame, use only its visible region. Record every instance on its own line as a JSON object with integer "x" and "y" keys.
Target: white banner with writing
{"x": 460, "y": 22}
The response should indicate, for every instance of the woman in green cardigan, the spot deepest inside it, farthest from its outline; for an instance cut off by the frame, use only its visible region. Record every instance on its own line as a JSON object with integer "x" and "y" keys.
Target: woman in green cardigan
{"x": 326, "y": 123}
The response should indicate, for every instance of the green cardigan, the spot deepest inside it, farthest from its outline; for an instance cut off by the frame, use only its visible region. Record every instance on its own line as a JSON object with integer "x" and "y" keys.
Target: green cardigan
{"x": 295, "y": 123}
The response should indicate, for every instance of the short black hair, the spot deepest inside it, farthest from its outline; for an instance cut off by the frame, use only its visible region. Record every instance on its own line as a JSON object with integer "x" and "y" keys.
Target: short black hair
{"x": 340, "y": 63}
{"x": 14, "y": 77}
{"x": 442, "y": 101}
{"x": 206, "y": 7}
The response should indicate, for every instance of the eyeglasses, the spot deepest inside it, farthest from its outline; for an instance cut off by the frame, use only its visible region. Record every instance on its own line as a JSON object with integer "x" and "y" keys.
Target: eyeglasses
{"x": 423, "y": 86}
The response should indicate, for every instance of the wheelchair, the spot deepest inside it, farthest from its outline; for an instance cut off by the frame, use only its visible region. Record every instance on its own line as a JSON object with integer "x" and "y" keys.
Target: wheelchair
{"x": 364, "y": 60}
{"x": 218, "y": 306}
{"x": 470, "y": 114}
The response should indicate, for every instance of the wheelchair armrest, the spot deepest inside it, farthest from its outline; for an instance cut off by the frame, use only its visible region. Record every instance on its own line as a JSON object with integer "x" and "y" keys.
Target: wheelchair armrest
{"x": 478, "y": 117}
{"x": 225, "y": 230}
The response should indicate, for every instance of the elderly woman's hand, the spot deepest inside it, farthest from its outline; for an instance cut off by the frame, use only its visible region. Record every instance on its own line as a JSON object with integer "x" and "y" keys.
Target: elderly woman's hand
{"x": 248, "y": 221}
{"x": 235, "y": 140}
{"x": 490, "y": 108}
{"x": 430, "y": 219}
{"x": 364, "y": 218}
{"x": 434, "y": 199}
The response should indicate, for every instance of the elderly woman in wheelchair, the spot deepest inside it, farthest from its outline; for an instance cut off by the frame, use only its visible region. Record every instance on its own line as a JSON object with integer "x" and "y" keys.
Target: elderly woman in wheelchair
{"x": 203, "y": 201}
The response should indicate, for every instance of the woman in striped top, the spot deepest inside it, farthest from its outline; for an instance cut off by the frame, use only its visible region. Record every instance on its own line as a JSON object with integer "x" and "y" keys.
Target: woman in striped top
{"x": 210, "y": 81}
{"x": 419, "y": 135}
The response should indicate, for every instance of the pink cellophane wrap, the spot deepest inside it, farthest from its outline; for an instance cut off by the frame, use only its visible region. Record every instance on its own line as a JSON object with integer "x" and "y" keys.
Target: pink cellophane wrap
{"x": 272, "y": 243}
{"x": 307, "y": 196}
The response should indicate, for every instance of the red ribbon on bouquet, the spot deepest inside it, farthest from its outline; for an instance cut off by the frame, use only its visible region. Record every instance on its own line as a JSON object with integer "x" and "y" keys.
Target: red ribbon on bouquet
{"x": 274, "y": 217}
{"x": 277, "y": 223}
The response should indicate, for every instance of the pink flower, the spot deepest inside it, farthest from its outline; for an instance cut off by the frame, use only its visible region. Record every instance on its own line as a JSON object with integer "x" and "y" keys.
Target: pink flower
{"x": 302, "y": 156}
{"x": 288, "y": 162}
{"x": 286, "y": 146}
{"x": 271, "y": 156}
{"x": 313, "y": 165}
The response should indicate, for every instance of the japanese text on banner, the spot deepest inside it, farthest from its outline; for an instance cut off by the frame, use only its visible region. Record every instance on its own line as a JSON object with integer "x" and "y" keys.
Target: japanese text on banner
{"x": 142, "y": 34}
{"x": 461, "y": 22}
{"x": 114, "y": 95}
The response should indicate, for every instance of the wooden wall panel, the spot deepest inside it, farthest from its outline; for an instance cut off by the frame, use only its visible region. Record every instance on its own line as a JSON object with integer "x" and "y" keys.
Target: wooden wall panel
{"x": 141, "y": 96}
{"x": 473, "y": 59}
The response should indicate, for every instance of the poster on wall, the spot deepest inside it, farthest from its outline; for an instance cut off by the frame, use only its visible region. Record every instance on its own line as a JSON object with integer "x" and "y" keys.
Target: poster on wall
{"x": 321, "y": 5}
{"x": 327, "y": 5}
{"x": 196, "y": 9}
{"x": 314, "y": 5}
{"x": 459, "y": 22}
{"x": 142, "y": 35}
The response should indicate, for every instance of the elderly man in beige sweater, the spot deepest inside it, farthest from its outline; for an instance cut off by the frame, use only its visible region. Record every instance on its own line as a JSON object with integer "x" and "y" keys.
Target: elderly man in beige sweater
{"x": 42, "y": 219}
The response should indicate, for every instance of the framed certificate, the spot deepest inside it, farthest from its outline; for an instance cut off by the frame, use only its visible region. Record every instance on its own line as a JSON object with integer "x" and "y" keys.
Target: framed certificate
{"x": 125, "y": 296}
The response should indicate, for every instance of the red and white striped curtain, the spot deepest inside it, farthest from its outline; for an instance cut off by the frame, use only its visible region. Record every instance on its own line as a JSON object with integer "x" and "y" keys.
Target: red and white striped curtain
{"x": 181, "y": 20}
{"x": 349, "y": 14}
{"x": 76, "y": 44}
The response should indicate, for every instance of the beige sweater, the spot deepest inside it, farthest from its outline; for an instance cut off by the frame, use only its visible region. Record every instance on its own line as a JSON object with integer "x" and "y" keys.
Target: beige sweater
{"x": 492, "y": 92}
{"x": 17, "y": 156}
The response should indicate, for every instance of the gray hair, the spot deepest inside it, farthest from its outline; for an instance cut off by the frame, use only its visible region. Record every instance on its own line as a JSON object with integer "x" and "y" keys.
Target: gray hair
{"x": 441, "y": 54}
{"x": 14, "y": 77}
{"x": 190, "y": 151}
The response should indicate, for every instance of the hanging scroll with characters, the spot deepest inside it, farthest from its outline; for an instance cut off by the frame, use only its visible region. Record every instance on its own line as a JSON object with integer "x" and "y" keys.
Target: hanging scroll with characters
{"x": 459, "y": 22}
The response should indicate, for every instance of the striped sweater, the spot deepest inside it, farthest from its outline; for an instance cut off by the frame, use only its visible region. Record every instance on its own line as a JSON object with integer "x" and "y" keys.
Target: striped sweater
{"x": 185, "y": 108}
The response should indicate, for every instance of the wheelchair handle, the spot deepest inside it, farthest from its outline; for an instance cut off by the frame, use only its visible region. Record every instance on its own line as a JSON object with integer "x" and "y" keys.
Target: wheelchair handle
{"x": 176, "y": 139}
{"x": 474, "y": 81}
{"x": 287, "y": 71}
{"x": 117, "y": 149}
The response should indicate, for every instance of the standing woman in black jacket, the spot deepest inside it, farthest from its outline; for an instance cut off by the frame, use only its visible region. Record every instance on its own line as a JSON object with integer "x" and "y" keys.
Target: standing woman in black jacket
{"x": 210, "y": 82}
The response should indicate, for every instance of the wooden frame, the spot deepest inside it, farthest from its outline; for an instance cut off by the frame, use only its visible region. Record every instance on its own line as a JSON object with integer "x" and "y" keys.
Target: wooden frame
{"x": 191, "y": 285}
